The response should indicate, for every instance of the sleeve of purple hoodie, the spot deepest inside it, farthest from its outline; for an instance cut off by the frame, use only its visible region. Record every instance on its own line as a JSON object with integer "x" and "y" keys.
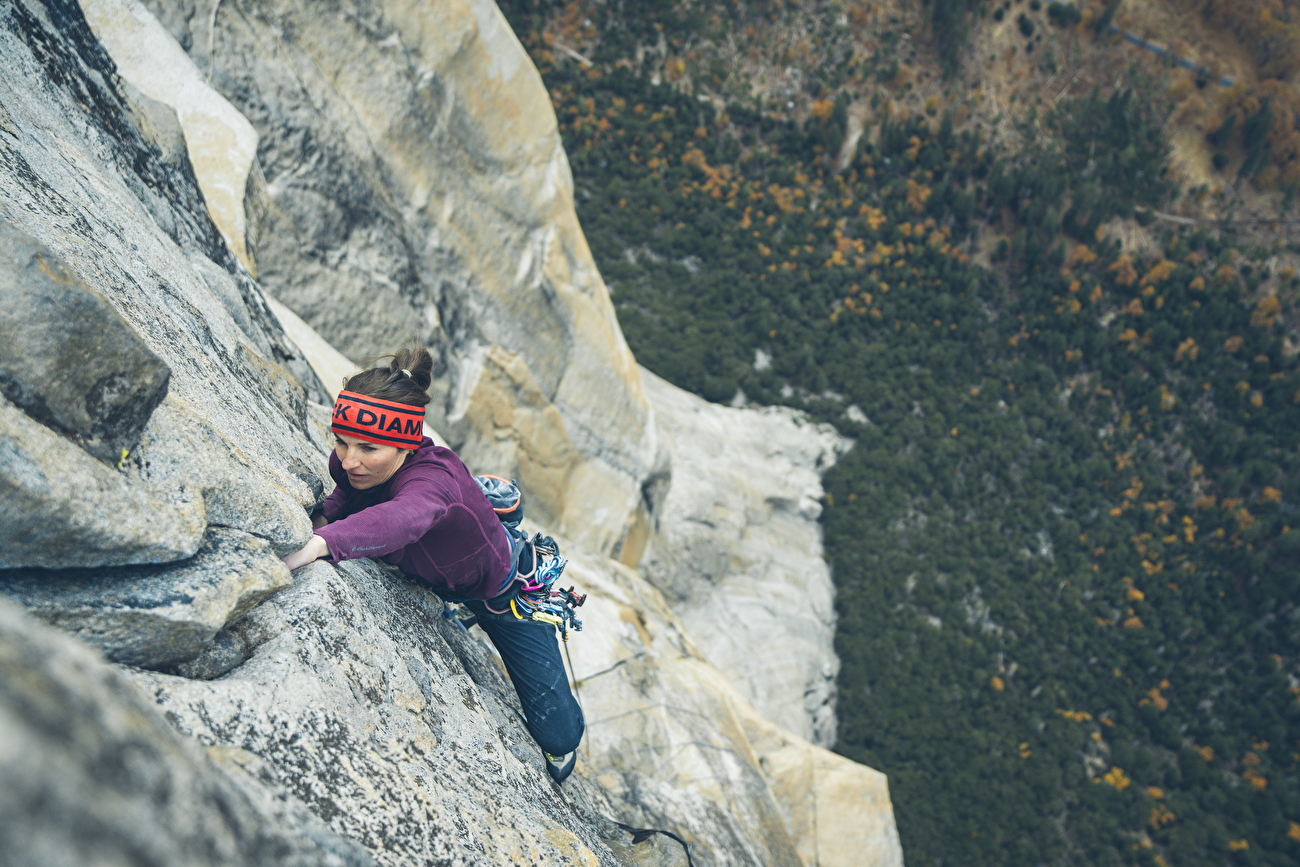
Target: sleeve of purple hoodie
{"x": 414, "y": 505}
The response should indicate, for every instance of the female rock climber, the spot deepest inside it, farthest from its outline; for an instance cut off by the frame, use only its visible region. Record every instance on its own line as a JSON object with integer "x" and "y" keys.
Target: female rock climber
{"x": 414, "y": 504}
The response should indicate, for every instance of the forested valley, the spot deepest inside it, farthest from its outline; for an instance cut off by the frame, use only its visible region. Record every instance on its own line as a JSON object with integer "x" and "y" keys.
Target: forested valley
{"x": 1063, "y": 542}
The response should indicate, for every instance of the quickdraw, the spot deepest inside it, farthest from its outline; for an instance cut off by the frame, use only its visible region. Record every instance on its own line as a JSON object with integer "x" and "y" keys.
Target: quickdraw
{"x": 538, "y": 600}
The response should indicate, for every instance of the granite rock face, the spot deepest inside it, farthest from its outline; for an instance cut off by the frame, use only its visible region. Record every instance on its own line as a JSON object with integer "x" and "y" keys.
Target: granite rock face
{"x": 418, "y": 187}
{"x": 391, "y": 724}
{"x": 67, "y": 358}
{"x": 85, "y": 174}
{"x": 737, "y": 550}
{"x": 330, "y": 365}
{"x": 61, "y": 507}
{"x": 837, "y": 811}
{"x": 95, "y": 775}
{"x": 220, "y": 143}
{"x": 155, "y": 616}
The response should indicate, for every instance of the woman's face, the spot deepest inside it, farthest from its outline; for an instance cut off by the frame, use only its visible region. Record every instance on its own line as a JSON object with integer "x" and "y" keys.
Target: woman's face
{"x": 367, "y": 464}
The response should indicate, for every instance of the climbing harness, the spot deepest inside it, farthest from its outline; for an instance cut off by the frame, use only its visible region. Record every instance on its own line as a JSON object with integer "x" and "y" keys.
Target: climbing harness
{"x": 537, "y": 598}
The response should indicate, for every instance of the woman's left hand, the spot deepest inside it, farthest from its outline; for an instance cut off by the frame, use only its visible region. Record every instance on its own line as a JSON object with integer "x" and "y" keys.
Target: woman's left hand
{"x": 313, "y": 550}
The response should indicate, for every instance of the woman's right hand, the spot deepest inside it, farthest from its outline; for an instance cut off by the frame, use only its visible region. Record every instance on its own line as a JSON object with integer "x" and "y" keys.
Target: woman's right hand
{"x": 313, "y": 550}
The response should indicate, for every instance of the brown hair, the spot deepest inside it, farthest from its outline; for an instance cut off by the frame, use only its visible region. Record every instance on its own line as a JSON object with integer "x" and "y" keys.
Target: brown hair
{"x": 388, "y": 382}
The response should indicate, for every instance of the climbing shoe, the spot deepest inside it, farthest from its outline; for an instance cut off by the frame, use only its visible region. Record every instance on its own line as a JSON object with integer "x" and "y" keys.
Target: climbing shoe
{"x": 559, "y": 767}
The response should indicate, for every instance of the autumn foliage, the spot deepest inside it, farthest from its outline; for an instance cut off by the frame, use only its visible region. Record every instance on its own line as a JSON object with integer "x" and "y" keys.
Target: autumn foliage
{"x": 1062, "y": 541}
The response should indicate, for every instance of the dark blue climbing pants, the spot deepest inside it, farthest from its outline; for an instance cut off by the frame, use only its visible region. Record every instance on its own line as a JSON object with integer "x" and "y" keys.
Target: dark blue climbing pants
{"x": 531, "y": 652}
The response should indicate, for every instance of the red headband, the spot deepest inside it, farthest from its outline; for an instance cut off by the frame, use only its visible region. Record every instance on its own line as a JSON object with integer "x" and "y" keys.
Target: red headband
{"x": 378, "y": 421}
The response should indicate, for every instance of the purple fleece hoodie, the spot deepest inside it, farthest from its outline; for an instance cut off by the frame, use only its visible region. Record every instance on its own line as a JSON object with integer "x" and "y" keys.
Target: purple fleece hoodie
{"x": 430, "y": 520}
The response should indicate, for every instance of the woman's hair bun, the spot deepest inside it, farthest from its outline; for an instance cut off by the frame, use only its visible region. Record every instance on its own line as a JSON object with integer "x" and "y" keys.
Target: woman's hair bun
{"x": 415, "y": 360}
{"x": 391, "y": 381}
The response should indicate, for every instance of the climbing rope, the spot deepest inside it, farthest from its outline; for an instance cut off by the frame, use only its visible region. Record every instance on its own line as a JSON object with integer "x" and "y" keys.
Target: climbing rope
{"x": 577, "y": 694}
{"x": 640, "y": 835}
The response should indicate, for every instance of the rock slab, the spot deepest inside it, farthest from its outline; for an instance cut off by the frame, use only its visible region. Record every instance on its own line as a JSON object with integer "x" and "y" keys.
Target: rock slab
{"x": 66, "y": 357}
{"x": 95, "y": 775}
{"x": 155, "y": 616}
{"x": 91, "y": 170}
{"x": 393, "y": 727}
{"x": 678, "y": 746}
{"x": 60, "y": 507}
{"x": 220, "y": 143}
{"x": 737, "y": 550}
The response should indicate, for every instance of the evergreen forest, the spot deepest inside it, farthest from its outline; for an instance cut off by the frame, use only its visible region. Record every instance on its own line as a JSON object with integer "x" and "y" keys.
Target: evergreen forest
{"x": 1063, "y": 545}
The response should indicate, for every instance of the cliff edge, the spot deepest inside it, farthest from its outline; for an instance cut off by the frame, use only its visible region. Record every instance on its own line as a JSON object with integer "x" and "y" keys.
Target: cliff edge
{"x": 162, "y": 439}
